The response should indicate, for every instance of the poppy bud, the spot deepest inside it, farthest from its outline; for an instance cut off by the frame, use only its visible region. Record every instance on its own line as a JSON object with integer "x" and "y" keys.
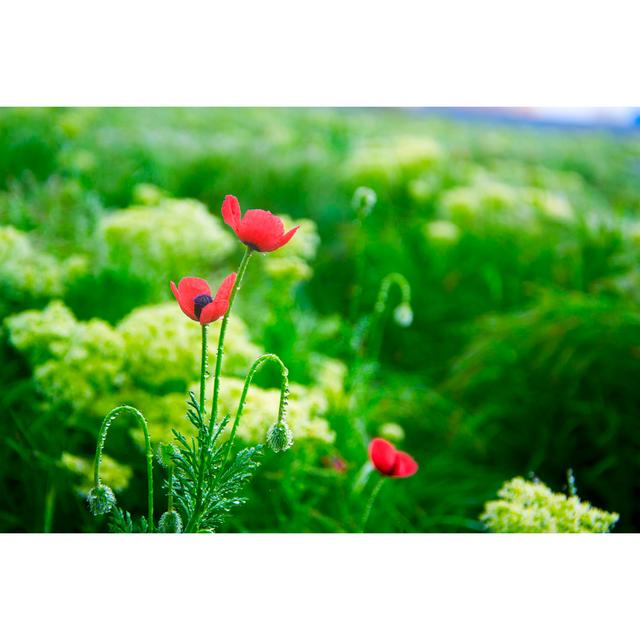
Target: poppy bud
{"x": 403, "y": 315}
{"x": 101, "y": 500}
{"x": 279, "y": 437}
{"x": 170, "y": 522}
{"x": 364, "y": 199}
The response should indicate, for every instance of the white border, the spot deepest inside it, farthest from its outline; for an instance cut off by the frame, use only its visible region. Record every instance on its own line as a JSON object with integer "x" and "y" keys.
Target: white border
{"x": 514, "y": 587}
{"x": 292, "y": 53}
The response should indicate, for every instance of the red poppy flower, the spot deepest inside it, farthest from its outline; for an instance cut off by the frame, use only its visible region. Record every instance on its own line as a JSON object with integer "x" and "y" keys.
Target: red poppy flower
{"x": 389, "y": 461}
{"x": 194, "y": 297}
{"x": 260, "y": 230}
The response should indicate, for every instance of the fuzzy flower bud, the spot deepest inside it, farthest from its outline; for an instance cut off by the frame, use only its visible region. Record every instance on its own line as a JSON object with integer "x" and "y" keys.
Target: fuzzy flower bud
{"x": 279, "y": 437}
{"x": 364, "y": 199}
{"x": 101, "y": 500}
{"x": 170, "y": 522}
{"x": 403, "y": 315}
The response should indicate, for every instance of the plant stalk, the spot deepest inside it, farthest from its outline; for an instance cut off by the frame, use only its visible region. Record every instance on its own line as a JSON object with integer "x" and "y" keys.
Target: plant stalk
{"x": 223, "y": 330}
{"x": 203, "y": 368}
{"x": 367, "y": 510}
{"x": 102, "y": 436}
{"x": 284, "y": 394}
{"x": 205, "y": 439}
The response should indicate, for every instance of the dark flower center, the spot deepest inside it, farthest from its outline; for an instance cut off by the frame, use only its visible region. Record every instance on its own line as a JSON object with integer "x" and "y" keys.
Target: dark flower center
{"x": 200, "y": 302}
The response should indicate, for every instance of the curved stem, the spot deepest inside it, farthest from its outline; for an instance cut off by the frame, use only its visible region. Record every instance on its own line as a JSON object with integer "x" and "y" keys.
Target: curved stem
{"x": 381, "y": 306}
{"x": 372, "y": 339}
{"x": 102, "y": 436}
{"x": 223, "y": 330}
{"x": 367, "y": 510}
{"x": 284, "y": 394}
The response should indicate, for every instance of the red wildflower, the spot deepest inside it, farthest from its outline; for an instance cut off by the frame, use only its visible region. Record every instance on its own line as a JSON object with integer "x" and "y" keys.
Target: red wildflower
{"x": 260, "y": 230}
{"x": 194, "y": 297}
{"x": 389, "y": 461}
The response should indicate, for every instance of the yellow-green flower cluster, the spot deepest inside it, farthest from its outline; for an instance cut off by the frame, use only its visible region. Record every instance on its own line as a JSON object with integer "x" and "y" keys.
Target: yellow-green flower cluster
{"x": 389, "y": 163}
{"x": 150, "y": 360}
{"x": 391, "y": 431}
{"x": 306, "y": 408}
{"x": 163, "y": 413}
{"x": 73, "y": 362}
{"x": 115, "y": 475}
{"x": 291, "y": 262}
{"x": 489, "y": 203}
{"x": 330, "y": 376}
{"x": 162, "y": 346}
{"x": 27, "y": 275}
{"x": 163, "y": 241}
{"x": 531, "y": 507}
{"x": 442, "y": 233}
{"x": 154, "y": 347}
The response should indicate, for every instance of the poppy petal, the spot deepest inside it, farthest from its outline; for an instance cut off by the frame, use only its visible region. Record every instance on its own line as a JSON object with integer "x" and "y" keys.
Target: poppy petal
{"x": 383, "y": 455}
{"x": 231, "y": 212}
{"x": 186, "y": 291}
{"x": 260, "y": 229}
{"x": 287, "y": 236}
{"x": 219, "y": 305}
{"x": 224, "y": 290}
{"x": 404, "y": 466}
{"x": 213, "y": 311}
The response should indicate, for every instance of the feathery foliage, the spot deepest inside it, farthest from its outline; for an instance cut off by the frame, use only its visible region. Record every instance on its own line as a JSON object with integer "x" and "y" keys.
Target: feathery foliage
{"x": 204, "y": 506}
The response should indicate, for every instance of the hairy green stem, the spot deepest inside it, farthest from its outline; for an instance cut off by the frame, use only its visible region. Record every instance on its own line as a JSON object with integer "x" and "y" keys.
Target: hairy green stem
{"x": 203, "y": 436}
{"x": 203, "y": 368}
{"x": 284, "y": 394}
{"x": 367, "y": 510}
{"x": 223, "y": 330}
{"x": 102, "y": 436}
{"x": 170, "y": 498}
{"x": 205, "y": 439}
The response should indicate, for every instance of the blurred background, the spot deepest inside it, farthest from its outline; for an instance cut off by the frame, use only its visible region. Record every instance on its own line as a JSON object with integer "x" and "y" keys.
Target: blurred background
{"x": 518, "y": 231}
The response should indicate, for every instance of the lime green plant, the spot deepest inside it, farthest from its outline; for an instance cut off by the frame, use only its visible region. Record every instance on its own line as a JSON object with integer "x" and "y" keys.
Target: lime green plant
{"x": 28, "y": 275}
{"x": 161, "y": 238}
{"x": 527, "y": 506}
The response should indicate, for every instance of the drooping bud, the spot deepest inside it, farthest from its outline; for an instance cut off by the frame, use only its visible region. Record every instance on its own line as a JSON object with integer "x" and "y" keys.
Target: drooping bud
{"x": 364, "y": 199}
{"x": 403, "y": 315}
{"x": 279, "y": 437}
{"x": 170, "y": 522}
{"x": 101, "y": 500}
